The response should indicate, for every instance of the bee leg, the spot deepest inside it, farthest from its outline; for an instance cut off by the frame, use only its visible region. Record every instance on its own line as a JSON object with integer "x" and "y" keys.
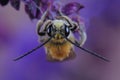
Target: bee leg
{"x": 72, "y": 55}
{"x": 41, "y": 22}
{"x": 82, "y": 39}
{"x": 49, "y": 57}
{"x": 41, "y": 39}
{"x": 44, "y": 26}
{"x": 75, "y": 27}
{"x": 79, "y": 28}
{"x": 83, "y": 36}
{"x": 63, "y": 17}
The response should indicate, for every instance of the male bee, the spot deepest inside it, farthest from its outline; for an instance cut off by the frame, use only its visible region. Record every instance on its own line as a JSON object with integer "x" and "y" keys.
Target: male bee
{"x": 58, "y": 48}
{"x": 57, "y": 36}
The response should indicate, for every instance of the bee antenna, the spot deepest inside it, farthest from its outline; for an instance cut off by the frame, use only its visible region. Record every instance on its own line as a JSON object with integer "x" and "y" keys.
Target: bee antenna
{"x": 34, "y": 49}
{"x": 86, "y": 50}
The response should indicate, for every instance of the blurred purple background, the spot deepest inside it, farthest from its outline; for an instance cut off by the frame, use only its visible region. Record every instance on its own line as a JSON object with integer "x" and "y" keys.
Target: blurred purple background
{"x": 18, "y": 35}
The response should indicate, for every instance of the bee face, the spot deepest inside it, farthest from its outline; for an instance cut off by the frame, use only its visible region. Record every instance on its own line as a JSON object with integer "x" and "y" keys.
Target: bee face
{"x": 58, "y": 48}
{"x": 59, "y": 30}
{"x": 58, "y": 27}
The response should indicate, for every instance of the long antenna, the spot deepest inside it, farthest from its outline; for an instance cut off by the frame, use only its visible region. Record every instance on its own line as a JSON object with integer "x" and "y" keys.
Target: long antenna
{"x": 87, "y": 50}
{"x": 34, "y": 49}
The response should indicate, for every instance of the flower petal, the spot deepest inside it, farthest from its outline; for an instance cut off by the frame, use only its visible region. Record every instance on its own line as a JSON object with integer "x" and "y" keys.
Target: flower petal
{"x": 31, "y": 9}
{"x": 35, "y": 8}
{"x": 56, "y": 6}
{"x": 45, "y": 4}
{"x": 72, "y": 7}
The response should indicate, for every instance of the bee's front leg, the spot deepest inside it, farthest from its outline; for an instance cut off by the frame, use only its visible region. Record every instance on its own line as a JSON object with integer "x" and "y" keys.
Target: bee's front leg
{"x": 72, "y": 54}
{"x": 48, "y": 56}
{"x": 80, "y": 29}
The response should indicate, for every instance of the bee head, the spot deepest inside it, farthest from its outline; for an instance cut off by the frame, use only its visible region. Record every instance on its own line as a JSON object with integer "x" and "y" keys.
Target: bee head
{"x": 58, "y": 27}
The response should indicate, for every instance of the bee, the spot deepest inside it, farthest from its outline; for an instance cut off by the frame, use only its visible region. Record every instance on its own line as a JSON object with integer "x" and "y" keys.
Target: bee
{"x": 57, "y": 36}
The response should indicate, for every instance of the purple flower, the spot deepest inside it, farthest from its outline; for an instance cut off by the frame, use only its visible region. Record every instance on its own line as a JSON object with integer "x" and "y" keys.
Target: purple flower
{"x": 36, "y": 8}
{"x": 31, "y": 9}
{"x": 71, "y": 8}
{"x": 56, "y": 6}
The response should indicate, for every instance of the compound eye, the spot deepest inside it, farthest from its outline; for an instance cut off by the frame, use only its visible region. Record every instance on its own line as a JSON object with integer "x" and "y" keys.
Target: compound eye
{"x": 50, "y": 30}
{"x": 66, "y": 30}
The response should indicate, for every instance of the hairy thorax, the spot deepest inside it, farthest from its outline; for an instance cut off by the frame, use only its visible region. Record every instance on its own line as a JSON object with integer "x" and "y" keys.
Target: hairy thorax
{"x": 58, "y": 49}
